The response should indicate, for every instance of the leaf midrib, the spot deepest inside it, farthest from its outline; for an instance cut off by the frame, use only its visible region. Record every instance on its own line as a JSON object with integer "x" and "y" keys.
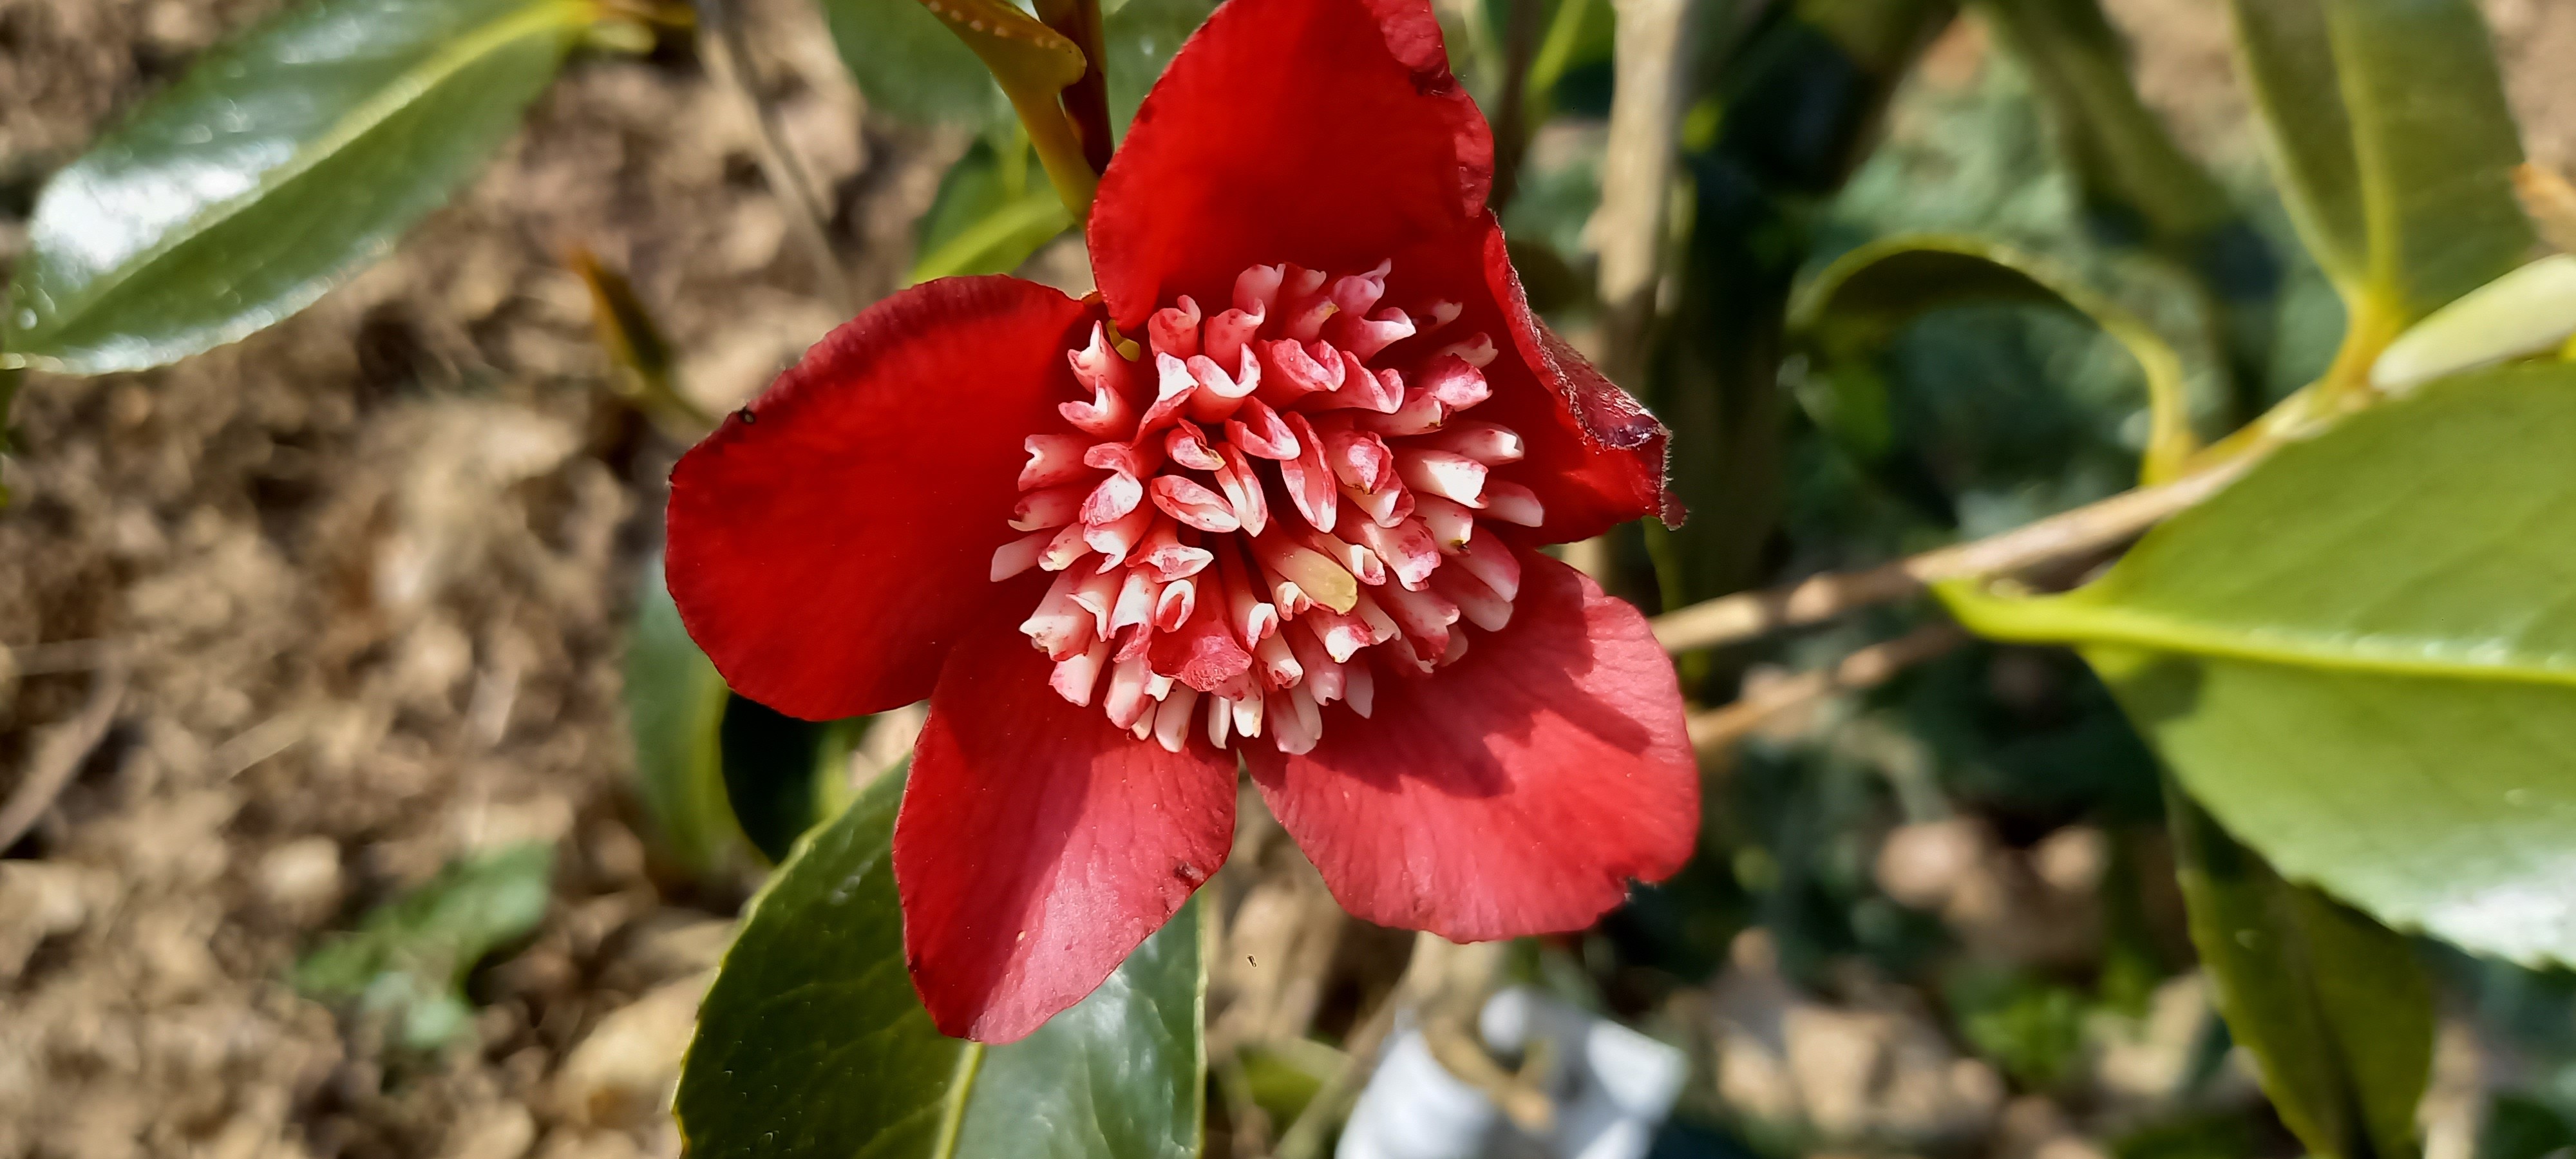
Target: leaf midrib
{"x": 398, "y": 94}
{"x": 961, "y": 1089}
{"x": 2062, "y": 619}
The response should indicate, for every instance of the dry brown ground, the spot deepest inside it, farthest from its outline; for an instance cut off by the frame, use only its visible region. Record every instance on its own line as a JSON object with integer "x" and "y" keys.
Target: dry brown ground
{"x": 367, "y": 571}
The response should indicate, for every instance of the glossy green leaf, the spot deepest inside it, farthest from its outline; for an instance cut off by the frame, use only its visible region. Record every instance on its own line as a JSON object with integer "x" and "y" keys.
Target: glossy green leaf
{"x": 1121, "y": 1075}
{"x": 408, "y": 959}
{"x": 2333, "y": 1005}
{"x": 2362, "y": 658}
{"x": 1855, "y": 307}
{"x": 675, "y": 706}
{"x": 812, "y": 1043}
{"x": 282, "y": 162}
{"x": 2394, "y": 145}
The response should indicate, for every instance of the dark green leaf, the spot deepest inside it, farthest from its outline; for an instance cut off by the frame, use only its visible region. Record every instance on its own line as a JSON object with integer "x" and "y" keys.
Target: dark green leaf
{"x": 2521, "y": 1127}
{"x": 780, "y": 773}
{"x": 812, "y": 1043}
{"x": 1855, "y": 307}
{"x": 408, "y": 959}
{"x": 2396, "y": 146}
{"x": 675, "y": 704}
{"x": 2334, "y": 1006}
{"x": 2362, "y": 658}
{"x": 283, "y": 161}
{"x": 1121, "y": 1075}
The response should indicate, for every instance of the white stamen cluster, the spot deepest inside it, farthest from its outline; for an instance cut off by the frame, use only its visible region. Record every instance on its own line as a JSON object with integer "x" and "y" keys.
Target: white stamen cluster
{"x": 1247, "y": 514}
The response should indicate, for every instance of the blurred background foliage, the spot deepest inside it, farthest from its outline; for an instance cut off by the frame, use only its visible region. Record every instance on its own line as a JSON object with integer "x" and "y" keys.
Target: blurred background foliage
{"x": 1939, "y": 915}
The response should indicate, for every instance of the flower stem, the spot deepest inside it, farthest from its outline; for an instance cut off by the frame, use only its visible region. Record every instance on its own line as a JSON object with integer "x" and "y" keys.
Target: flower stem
{"x": 1086, "y": 101}
{"x": 1869, "y": 667}
{"x": 1059, "y": 148}
{"x": 1052, "y": 77}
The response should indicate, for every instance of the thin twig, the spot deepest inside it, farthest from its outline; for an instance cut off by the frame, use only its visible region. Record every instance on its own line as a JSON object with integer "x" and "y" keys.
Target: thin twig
{"x": 260, "y": 742}
{"x": 728, "y": 55}
{"x": 1869, "y": 667}
{"x": 59, "y": 656}
{"x": 60, "y": 751}
{"x": 2091, "y": 528}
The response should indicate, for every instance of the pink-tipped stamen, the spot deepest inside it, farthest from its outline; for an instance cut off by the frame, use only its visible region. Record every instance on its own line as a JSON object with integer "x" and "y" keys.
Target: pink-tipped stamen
{"x": 1251, "y": 512}
{"x": 1174, "y": 330}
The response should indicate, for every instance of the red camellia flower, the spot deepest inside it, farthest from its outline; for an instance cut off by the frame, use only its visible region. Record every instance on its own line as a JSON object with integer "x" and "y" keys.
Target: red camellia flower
{"x": 1273, "y": 492}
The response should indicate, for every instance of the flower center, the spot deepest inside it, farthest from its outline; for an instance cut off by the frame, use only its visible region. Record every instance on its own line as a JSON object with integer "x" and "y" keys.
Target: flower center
{"x": 1252, "y": 515}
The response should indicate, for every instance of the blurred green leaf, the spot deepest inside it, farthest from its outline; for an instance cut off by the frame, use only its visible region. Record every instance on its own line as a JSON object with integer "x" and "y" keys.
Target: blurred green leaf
{"x": 2030, "y": 1028}
{"x": 287, "y": 158}
{"x": 2361, "y": 657}
{"x": 2334, "y": 1005}
{"x": 2521, "y": 1127}
{"x": 409, "y": 958}
{"x": 715, "y": 769}
{"x": 1855, "y": 307}
{"x": 675, "y": 708}
{"x": 2128, "y": 162}
{"x": 647, "y": 367}
{"x": 2394, "y": 145}
{"x": 1139, "y": 38}
{"x": 812, "y": 1043}
{"x": 910, "y": 66}
{"x": 989, "y": 216}
{"x": 1282, "y": 1083}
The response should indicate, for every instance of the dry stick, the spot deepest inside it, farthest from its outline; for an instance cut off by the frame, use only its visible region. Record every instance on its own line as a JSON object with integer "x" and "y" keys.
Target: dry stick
{"x": 1637, "y": 177}
{"x": 1867, "y": 668}
{"x": 1746, "y": 615}
{"x": 730, "y": 61}
{"x": 59, "y": 753}
{"x": 57, "y": 657}
{"x": 1636, "y": 190}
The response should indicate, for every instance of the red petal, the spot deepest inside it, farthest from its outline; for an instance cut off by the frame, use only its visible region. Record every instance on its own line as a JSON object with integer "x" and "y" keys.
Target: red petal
{"x": 1038, "y": 844}
{"x": 832, "y": 540}
{"x": 1515, "y": 792}
{"x": 1596, "y": 457}
{"x": 1329, "y": 133}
